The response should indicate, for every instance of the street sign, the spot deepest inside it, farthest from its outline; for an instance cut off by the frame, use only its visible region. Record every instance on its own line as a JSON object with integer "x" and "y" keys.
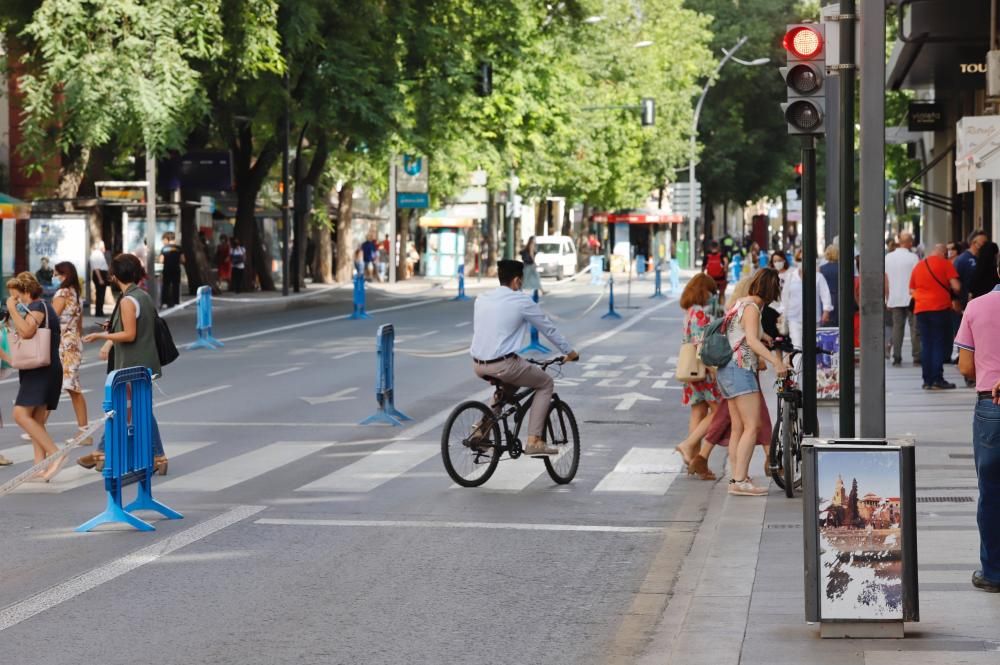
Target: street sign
{"x": 412, "y": 200}
{"x": 411, "y": 174}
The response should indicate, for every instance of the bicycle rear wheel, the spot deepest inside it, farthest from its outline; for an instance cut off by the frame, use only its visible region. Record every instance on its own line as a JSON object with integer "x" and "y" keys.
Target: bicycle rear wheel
{"x": 789, "y": 433}
{"x": 470, "y": 444}
{"x": 561, "y": 433}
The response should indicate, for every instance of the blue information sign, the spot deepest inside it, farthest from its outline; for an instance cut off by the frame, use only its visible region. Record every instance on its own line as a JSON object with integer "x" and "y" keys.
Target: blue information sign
{"x": 412, "y": 200}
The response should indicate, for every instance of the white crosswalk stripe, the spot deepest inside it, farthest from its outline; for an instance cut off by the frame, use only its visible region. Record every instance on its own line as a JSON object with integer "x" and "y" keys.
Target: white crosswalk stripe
{"x": 74, "y": 476}
{"x": 514, "y": 475}
{"x": 643, "y": 471}
{"x": 376, "y": 469}
{"x": 244, "y": 467}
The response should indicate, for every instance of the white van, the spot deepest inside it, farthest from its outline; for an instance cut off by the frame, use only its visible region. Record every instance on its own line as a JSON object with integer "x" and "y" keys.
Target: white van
{"x": 555, "y": 256}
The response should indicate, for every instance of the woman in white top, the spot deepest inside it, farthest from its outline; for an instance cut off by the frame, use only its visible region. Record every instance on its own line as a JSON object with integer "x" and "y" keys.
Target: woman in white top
{"x": 738, "y": 379}
{"x": 792, "y": 304}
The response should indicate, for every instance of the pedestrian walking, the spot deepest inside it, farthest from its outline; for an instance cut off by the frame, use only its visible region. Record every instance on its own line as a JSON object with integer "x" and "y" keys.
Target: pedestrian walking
{"x": 934, "y": 286}
{"x": 99, "y": 276}
{"x": 899, "y": 266}
{"x": 965, "y": 263}
{"x": 831, "y": 273}
{"x": 531, "y": 280}
{"x": 223, "y": 259}
{"x": 68, "y": 306}
{"x": 702, "y": 396}
{"x": 985, "y": 278}
{"x": 238, "y": 256}
{"x": 738, "y": 379}
{"x": 715, "y": 265}
{"x": 172, "y": 257}
{"x": 792, "y": 304}
{"x": 979, "y": 360}
{"x": 369, "y": 251}
{"x": 129, "y": 341}
{"x": 40, "y": 387}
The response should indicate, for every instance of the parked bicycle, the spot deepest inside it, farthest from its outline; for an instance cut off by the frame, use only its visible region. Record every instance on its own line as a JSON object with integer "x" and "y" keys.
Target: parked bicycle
{"x": 472, "y": 443}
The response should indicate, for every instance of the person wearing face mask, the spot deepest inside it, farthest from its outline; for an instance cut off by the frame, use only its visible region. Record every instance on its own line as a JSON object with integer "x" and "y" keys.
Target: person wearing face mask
{"x": 501, "y": 318}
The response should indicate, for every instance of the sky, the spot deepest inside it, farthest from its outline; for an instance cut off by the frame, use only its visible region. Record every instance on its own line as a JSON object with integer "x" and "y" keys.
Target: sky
{"x": 876, "y": 472}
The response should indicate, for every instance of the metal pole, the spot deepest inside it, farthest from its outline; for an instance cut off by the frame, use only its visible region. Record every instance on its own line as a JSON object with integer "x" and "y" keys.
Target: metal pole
{"x": 285, "y": 231}
{"x": 872, "y": 227}
{"x": 809, "y": 285}
{"x": 846, "y": 231}
{"x": 509, "y": 241}
{"x": 152, "y": 286}
{"x": 832, "y": 134}
{"x": 392, "y": 220}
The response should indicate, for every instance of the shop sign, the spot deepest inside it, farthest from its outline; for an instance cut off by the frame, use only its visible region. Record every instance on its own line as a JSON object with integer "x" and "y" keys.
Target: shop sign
{"x": 926, "y": 117}
{"x": 977, "y": 151}
{"x": 121, "y": 192}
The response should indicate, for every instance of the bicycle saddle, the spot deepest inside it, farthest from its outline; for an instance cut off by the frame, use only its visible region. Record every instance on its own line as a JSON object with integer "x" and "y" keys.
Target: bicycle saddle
{"x": 493, "y": 381}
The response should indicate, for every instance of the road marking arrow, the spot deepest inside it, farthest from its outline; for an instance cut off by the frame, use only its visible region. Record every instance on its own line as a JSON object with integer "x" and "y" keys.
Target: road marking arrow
{"x": 628, "y": 400}
{"x": 338, "y": 396}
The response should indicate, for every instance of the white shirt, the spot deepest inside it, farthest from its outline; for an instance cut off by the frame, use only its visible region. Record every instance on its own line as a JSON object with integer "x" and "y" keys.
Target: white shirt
{"x": 501, "y": 319}
{"x": 899, "y": 263}
{"x": 791, "y": 296}
{"x": 98, "y": 261}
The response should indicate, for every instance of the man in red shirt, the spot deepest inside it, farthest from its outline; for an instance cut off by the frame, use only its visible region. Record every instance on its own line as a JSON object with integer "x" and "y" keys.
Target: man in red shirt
{"x": 934, "y": 284}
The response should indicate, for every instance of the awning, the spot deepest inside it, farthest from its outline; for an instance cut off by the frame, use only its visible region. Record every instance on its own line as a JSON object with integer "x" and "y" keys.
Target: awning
{"x": 636, "y": 217}
{"x": 11, "y": 208}
{"x": 442, "y": 219}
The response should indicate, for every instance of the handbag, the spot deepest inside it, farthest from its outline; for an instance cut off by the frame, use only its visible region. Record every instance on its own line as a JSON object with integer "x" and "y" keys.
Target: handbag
{"x": 689, "y": 365}
{"x": 34, "y": 352}
{"x": 165, "y": 347}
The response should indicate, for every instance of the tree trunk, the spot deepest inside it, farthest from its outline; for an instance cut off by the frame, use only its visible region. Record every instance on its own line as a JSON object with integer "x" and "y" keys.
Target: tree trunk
{"x": 72, "y": 172}
{"x": 492, "y": 237}
{"x": 345, "y": 251}
{"x": 250, "y": 175}
{"x": 196, "y": 264}
{"x": 404, "y": 241}
{"x": 541, "y": 218}
{"x": 567, "y": 225}
{"x": 323, "y": 263}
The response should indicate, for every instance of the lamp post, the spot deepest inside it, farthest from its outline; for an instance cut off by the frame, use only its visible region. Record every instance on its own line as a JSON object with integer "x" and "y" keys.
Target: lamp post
{"x": 727, "y": 56}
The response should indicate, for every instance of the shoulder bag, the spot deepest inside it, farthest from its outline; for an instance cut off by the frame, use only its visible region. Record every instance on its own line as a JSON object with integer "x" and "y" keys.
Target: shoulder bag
{"x": 689, "y": 365}
{"x": 34, "y": 352}
{"x": 956, "y": 304}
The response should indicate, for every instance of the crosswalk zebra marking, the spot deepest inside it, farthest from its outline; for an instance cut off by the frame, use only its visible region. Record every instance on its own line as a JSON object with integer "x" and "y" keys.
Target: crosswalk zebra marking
{"x": 245, "y": 466}
{"x": 643, "y": 471}
{"x": 374, "y": 470}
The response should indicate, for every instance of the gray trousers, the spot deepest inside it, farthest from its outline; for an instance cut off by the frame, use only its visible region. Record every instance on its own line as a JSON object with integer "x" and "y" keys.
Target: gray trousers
{"x": 519, "y": 372}
{"x": 901, "y": 316}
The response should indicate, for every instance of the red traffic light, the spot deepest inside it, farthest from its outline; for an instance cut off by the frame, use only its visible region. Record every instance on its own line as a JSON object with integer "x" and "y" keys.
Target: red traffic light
{"x": 803, "y": 42}
{"x": 798, "y": 169}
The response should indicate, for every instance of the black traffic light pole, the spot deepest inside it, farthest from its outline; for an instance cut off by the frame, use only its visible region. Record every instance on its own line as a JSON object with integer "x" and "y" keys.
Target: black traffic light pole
{"x": 808, "y": 382}
{"x": 845, "y": 305}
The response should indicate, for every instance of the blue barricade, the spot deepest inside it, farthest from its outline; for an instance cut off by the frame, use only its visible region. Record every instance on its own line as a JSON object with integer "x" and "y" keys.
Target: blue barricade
{"x": 385, "y": 372}
{"x": 612, "y": 314}
{"x": 204, "y": 324}
{"x": 359, "y": 297}
{"x": 640, "y": 266}
{"x": 675, "y": 276}
{"x": 534, "y": 344}
{"x": 596, "y": 270}
{"x": 461, "y": 284}
{"x": 128, "y": 449}
{"x": 658, "y": 283}
{"x": 735, "y": 268}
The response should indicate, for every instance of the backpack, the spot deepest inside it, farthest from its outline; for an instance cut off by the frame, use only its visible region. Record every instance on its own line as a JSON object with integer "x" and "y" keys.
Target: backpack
{"x": 165, "y": 347}
{"x": 715, "y": 349}
{"x": 713, "y": 266}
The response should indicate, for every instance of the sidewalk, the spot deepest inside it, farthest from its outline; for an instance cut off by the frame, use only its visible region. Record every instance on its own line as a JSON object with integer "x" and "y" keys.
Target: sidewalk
{"x": 739, "y": 596}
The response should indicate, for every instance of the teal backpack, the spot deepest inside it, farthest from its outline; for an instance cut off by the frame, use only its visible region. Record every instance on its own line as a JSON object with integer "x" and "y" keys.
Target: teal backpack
{"x": 715, "y": 349}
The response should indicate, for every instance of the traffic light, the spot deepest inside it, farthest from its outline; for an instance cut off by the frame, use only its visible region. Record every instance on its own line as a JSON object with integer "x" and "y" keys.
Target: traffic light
{"x": 806, "y": 59}
{"x": 484, "y": 84}
{"x": 798, "y": 180}
{"x": 647, "y": 107}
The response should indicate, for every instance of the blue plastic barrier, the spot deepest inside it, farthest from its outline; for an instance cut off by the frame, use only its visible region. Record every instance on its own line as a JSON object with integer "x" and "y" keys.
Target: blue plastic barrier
{"x": 612, "y": 314}
{"x": 534, "y": 344}
{"x": 640, "y": 266}
{"x": 204, "y": 323}
{"x": 735, "y": 268}
{"x": 596, "y": 270}
{"x": 763, "y": 260}
{"x": 658, "y": 283}
{"x": 675, "y": 276}
{"x": 128, "y": 449}
{"x": 385, "y": 371}
{"x": 359, "y": 298}
{"x": 461, "y": 285}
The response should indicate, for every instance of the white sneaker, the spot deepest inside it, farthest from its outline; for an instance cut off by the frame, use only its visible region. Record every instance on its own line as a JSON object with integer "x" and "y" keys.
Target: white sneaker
{"x": 746, "y": 488}
{"x": 26, "y": 437}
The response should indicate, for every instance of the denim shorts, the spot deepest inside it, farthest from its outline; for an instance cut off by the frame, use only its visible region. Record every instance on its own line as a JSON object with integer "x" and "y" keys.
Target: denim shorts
{"x": 734, "y": 381}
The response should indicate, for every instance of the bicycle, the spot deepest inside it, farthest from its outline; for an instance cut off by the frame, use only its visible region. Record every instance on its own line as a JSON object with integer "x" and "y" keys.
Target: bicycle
{"x": 785, "y": 455}
{"x": 471, "y": 443}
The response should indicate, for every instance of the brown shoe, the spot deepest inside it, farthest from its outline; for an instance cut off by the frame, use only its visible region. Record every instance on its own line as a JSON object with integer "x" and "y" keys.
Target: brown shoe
{"x": 160, "y": 465}
{"x": 94, "y": 460}
{"x": 539, "y": 450}
{"x": 699, "y": 467}
{"x": 4, "y": 461}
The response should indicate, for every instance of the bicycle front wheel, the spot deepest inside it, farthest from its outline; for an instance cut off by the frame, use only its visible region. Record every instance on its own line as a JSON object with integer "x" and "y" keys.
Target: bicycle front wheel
{"x": 470, "y": 444}
{"x": 776, "y": 455}
{"x": 791, "y": 450}
{"x": 561, "y": 433}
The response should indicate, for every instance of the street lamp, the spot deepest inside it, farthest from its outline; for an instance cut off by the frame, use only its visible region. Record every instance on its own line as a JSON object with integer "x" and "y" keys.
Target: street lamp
{"x": 729, "y": 55}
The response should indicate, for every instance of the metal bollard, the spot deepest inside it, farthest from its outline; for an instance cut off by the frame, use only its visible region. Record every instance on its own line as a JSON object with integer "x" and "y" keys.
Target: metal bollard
{"x": 675, "y": 276}
{"x": 461, "y": 285}
{"x": 385, "y": 379}
{"x": 204, "y": 323}
{"x": 534, "y": 344}
{"x": 612, "y": 314}
{"x": 128, "y": 449}
{"x": 658, "y": 284}
{"x": 359, "y": 298}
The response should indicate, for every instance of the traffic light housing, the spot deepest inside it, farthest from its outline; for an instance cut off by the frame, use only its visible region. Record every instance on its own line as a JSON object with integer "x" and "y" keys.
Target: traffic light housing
{"x": 647, "y": 109}
{"x": 484, "y": 82}
{"x": 805, "y": 47}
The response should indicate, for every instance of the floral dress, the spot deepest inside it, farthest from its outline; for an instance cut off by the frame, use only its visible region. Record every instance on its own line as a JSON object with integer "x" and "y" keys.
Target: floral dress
{"x": 70, "y": 341}
{"x": 696, "y": 392}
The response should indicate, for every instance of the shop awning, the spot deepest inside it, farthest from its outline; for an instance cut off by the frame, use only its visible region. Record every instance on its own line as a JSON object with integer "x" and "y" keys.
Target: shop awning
{"x": 11, "y": 208}
{"x": 637, "y": 217}
{"x": 442, "y": 219}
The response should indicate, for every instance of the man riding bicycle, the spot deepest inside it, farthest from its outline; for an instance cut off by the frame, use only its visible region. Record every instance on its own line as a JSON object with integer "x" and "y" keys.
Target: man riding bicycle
{"x": 500, "y": 320}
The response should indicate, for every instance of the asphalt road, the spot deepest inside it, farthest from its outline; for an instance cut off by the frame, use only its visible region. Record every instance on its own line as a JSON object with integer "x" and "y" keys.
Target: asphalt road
{"x": 307, "y": 538}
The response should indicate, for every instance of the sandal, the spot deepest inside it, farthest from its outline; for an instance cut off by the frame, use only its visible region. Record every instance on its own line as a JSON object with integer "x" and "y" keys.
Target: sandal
{"x": 699, "y": 467}
{"x": 687, "y": 460}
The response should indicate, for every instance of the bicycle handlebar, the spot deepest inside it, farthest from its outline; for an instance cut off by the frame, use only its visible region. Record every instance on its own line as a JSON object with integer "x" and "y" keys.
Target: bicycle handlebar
{"x": 545, "y": 364}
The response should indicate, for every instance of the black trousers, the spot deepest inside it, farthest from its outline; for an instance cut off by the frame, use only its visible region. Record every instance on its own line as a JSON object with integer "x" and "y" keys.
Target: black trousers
{"x": 100, "y": 279}
{"x": 171, "y": 288}
{"x": 236, "y": 283}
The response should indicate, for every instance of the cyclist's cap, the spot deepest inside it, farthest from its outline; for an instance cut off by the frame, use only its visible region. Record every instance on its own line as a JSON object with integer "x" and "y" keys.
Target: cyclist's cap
{"x": 508, "y": 269}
